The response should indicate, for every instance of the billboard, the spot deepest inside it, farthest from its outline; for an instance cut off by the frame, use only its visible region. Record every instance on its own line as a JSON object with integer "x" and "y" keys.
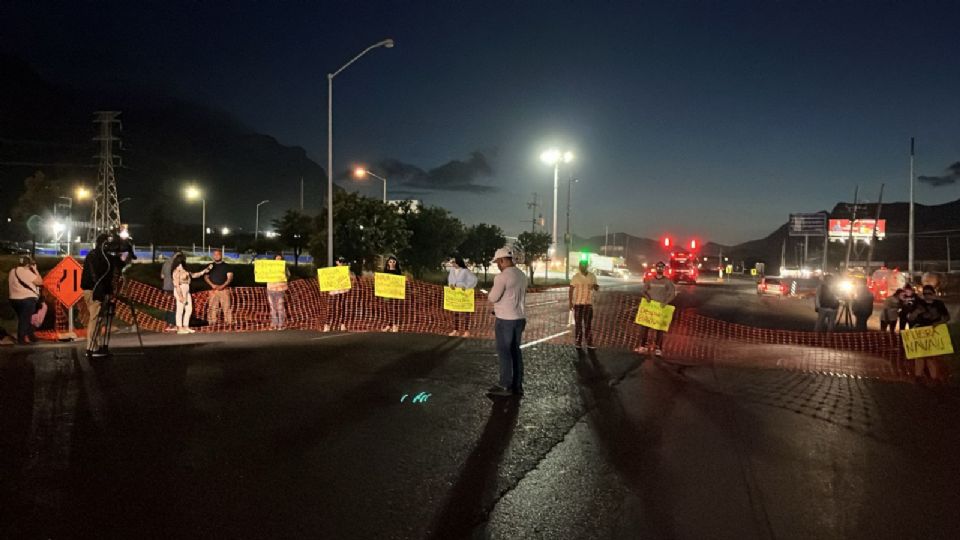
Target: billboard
{"x": 811, "y": 224}
{"x": 862, "y": 228}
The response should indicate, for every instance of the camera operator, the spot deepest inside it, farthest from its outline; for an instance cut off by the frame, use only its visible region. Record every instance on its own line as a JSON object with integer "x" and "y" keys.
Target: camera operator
{"x": 101, "y": 272}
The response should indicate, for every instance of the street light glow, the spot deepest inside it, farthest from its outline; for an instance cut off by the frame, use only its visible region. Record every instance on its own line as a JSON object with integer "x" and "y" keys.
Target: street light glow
{"x": 550, "y": 157}
{"x": 359, "y": 172}
{"x": 192, "y": 193}
{"x": 82, "y": 193}
{"x": 567, "y": 157}
{"x": 225, "y": 231}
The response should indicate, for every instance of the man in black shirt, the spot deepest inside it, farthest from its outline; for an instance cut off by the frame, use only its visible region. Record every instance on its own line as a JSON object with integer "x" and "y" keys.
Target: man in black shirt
{"x": 219, "y": 279}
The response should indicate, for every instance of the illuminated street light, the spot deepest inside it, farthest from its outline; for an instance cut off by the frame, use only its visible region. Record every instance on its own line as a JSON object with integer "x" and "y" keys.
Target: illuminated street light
{"x": 193, "y": 193}
{"x": 82, "y": 193}
{"x": 256, "y": 227}
{"x": 387, "y": 43}
{"x": 225, "y": 231}
{"x": 361, "y": 172}
{"x": 554, "y": 157}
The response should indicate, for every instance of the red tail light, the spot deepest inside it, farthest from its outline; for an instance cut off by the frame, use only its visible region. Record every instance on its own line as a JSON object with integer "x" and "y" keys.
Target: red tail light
{"x": 783, "y": 288}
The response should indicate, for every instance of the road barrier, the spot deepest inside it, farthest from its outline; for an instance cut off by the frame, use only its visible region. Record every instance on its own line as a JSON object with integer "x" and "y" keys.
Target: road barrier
{"x": 692, "y": 339}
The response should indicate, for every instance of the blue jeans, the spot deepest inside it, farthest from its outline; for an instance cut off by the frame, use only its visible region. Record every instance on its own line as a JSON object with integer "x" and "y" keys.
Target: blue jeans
{"x": 25, "y": 309}
{"x": 508, "y": 335}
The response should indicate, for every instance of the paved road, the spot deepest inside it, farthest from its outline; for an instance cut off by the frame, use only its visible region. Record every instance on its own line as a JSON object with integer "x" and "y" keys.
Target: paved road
{"x": 306, "y": 435}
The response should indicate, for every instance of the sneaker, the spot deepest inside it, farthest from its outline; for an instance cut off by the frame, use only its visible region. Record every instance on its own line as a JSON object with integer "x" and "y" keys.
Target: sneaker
{"x": 183, "y": 331}
{"x": 326, "y": 328}
{"x": 385, "y": 328}
{"x": 394, "y": 328}
{"x": 657, "y": 352}
{"x": 343, "y": 328}
{"x": 466, "y": 333}
{"x": 497, "y": 390}
{"x": 191, "y": 331}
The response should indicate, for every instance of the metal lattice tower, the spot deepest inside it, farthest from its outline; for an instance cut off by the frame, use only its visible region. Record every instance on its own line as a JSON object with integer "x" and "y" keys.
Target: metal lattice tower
{"x": 106, "y": 208}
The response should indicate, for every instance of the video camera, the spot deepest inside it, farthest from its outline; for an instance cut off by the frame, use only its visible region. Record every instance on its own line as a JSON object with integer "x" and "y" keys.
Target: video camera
{"x": 118, "y": 244}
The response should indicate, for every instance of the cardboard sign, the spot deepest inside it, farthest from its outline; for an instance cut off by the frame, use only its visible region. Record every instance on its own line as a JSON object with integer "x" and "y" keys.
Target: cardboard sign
{"x": 269, "y": 271}
{"x": 390, "y": 286}
{"x": 926, "y": 341}
{"x": 64, "y": 281}
{"x": 729, "y": 269}
{"x": 335, "y": 278}
{"x": 654, "y": 315}
{"x": 460, "y": 300}
{"x": 753, "y": 271}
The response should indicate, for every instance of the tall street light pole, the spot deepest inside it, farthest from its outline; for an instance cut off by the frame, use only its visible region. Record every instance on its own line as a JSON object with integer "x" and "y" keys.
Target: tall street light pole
{"x": 910, "y": 245}
{"x": 360, "y": 172}
{"x": 388, "y": 43}
{"x": 193, "y": 193}
{"x": 554, "y": 157}
{"x": 566, "y": 237}
{"x": 256, "y": 227}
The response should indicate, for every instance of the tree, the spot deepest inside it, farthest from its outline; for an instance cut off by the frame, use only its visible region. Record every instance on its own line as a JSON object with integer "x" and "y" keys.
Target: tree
{"x": 39, "y": 195}
{"x": 434, "y": 236}
{"x": 294, "y": 229}
{"x": 534, "y": 245}
{"x": 480, "y": 243}
{"x": 363, "y": 229}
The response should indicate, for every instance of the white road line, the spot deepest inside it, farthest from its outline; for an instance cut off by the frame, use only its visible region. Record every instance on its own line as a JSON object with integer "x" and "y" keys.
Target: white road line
{"x": 548, "y": 338}
{"x": 329, "y": 337}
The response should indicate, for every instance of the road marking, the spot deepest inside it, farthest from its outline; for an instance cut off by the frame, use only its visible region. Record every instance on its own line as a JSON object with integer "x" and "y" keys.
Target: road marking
{"x": 329, "y": 337}
{"x": 548, "y": 338}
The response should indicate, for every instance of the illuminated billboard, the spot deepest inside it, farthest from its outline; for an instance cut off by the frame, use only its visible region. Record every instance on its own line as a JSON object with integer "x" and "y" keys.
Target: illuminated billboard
{"x": 862, "y": 228}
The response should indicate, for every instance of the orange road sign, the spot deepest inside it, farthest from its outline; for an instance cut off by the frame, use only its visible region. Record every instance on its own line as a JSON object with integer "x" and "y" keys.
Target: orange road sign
{"x": 64, "y": 281}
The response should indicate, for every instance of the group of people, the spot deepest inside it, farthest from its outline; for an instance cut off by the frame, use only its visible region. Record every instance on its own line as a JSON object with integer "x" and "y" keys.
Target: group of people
{"x": 218, "y": 276}
{"x": 904, "y": 307}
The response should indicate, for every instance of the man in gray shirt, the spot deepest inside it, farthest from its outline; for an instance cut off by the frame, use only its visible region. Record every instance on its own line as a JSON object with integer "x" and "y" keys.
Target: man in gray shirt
{"x": 507, "y": 296}
{"x": 166, "y": 273}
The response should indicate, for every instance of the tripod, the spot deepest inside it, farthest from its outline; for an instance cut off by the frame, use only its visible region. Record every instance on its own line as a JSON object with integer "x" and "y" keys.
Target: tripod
{"x": 98, "y": 344}
{"x": 846, "y": 317}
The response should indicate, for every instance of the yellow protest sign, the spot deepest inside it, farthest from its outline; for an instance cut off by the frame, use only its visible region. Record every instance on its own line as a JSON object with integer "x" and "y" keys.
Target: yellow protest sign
{"x": 753, "y": 271}
{"x": 269, "y": 271}
{"x": 389, "y": 286}
{"x": 655, "y": 315}
{"x": 460, "y": 300}
{"x": 335, "y": 278}
{"x": 729, "y": 269}
{"x": 926, "y": 341}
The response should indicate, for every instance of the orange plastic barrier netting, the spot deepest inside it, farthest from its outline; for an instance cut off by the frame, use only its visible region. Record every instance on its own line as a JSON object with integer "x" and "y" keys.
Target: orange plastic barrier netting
{"x": 692, "y": 337}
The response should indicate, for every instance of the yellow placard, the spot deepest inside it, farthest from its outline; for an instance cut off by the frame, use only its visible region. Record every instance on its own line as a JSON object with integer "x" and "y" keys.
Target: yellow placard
{"x": 269, "y": 271}
{"x": 389, "y": 286}
{"x": 729, "y": 269}
{"x": 655, "y": 315}
{"x": 460, "y": 300}
{"x": 753, "y": 271}
{"x": 335, "y": 278}
{"x": 927, "y": 341}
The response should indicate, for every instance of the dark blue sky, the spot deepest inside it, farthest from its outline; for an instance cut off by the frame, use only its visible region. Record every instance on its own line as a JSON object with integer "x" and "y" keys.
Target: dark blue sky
{"x": 714, "y": 119}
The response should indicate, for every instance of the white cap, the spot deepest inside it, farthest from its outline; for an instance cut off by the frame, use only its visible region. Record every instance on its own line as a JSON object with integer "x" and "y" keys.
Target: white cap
{"x": 502, "y": 253}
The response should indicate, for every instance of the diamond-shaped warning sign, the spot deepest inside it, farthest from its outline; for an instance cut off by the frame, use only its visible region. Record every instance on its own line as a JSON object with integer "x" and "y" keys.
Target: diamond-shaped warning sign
{"x": 64, "y": 281}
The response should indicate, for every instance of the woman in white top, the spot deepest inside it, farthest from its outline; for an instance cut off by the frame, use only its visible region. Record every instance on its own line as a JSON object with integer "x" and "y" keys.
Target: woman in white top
{"x": 181, "y": 292}
{"x": 24, "y": 282}
{"x": 459, "y": 276}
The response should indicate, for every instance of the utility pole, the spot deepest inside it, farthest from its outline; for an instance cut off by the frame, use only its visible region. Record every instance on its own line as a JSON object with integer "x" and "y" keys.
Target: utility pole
{"x": 876, "y": 223}
{"x": 853, "y": 220}
{"x": 301, "y": 194}
{"x": 910, "y": 242}
{"x": 533, "y": 206}
{"x": 566, "y": 237}
{"x": 606, "y": 232}
{"x": 105, "y": 215}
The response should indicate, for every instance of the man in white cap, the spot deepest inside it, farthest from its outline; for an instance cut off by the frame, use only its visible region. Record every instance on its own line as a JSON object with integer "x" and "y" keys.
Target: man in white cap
{"x": 507, "y": 296}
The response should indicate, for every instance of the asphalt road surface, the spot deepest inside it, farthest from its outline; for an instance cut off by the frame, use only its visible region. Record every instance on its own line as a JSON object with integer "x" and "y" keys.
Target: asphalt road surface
{"x": 306, "y": 435}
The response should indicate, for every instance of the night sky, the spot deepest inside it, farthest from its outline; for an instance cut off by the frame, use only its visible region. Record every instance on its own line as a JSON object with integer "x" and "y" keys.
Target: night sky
{"x": 714, "y": 119}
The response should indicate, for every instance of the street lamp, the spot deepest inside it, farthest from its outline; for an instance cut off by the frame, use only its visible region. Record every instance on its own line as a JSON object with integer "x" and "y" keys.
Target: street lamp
{"x": 567, "y": 238}
{"x": 193, "y": 193}
{"x": 388, "y": 43}
{"x": 554, "y": 157}
{"x": 360, "y": 172}
{"x": 256, "y": 229}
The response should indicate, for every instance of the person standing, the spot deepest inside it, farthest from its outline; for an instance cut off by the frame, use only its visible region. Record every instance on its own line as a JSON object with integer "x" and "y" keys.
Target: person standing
{"x": 166, "y": 273}
{"x": 582, "y": 286}
{"x": 24, "y": 283}
{"x": 459, "y": 276}
{"x": 275, "y": 293}
{"x": 862, "y": 305}
{"x": 659, "y": 289}
{"x": 826, "y": 304}
{"x": 890, "y": 313}
{"x": 392, "y": 305}
{"x": 219, "y": 279}
{"x": 929, "y": 311}
{"x": 507, "y": 297}
{"x": 908, "y": 301}
{"x": 337, "y": 313}
{"x": 96, "y": 281}
{"x": 181, "y": 292}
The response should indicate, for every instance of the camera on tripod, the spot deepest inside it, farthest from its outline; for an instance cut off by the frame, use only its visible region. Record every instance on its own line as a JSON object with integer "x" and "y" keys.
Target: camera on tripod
{"x": 103, "y": 277}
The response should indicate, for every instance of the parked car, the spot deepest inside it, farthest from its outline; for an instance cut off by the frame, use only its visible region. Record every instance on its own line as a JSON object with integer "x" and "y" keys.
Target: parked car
{"x": 774, "y": 286}
{"x": 8, "y": 248}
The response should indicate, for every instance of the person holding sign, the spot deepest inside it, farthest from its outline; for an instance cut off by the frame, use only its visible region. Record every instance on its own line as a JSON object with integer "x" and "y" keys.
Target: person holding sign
{"x": 459, "y": 276}
{"x": 928, "y": 311}
{"x": 337, "y": 313}
{"x": 582, "y": 286}
{"x": 275, "y": 292}
{"x": 508, "y": 295}
{"x": 392, "y": 306}
{"x": 659, "y": 289}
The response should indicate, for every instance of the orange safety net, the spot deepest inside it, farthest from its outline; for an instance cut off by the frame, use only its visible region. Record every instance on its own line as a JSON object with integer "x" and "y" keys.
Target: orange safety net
{"x": 692, "y": 338}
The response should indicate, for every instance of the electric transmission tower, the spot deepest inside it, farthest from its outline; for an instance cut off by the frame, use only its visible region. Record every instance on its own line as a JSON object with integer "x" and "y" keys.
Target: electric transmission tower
{"x": 105, "y": 215}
